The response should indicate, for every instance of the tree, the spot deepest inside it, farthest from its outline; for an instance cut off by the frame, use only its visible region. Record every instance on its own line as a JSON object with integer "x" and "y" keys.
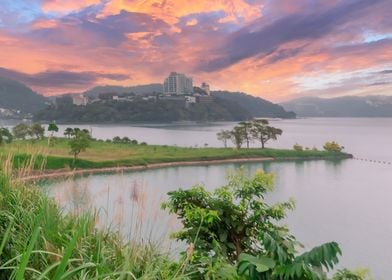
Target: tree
{"x": 246, "y": 130}
{"x": 237, "y": 136}
{"x": 68, "y": 132}
{"x": 5, "y": 135}
{"x": 21, "y": 131}
{"x": 79, "y": 143}
{"x": 333, "y": 147}
{"x": 223, "y": 136}
{"x": 37, "y": 131}
{"x": 52, "y": 128}
{"x": 297, "y": 147}
{"x": 234, "y": 225}
{"x": 263, "y": 132}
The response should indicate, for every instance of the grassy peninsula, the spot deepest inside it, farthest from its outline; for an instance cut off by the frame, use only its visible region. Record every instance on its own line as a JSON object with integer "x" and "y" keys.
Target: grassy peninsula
{"x": 102, "y": 154}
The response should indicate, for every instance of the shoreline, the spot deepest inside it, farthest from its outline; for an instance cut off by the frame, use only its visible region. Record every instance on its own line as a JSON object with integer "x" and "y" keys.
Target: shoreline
{"x": 91, "y": 171}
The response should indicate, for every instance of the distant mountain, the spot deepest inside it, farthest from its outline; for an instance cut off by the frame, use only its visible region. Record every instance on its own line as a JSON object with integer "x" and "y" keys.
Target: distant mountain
{"x": 256, "y": 106}
{"x": 347, "y": 106}
{"x": 16, "y": 96}
{"x": 141, "y": 89}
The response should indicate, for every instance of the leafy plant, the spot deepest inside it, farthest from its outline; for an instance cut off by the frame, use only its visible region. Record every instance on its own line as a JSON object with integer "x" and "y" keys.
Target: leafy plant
{"x": 241, "y": 228}
{"x": 79, "y": 143}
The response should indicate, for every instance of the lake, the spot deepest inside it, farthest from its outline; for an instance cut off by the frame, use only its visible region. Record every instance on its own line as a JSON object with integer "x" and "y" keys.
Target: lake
{"x": 347, "y": 201}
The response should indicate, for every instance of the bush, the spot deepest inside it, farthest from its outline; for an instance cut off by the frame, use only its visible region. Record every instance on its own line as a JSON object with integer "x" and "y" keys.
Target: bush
{"x": 233, "y": 226}
{"x": 297, "y": 147}
{"x": 333, "y": 147}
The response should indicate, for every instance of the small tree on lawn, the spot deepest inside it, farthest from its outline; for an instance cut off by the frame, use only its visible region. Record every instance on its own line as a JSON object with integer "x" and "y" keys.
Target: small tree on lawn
{"x": 37, "y": 131}
{"x": 5, "y": 135}
{"x": 68, "y": 132}
{"x": 224, "y": 136}
{"x": 52, "y": 128}
{"x": 79, "y": 143}
{"x": 263, "y": 132}
{"x": 246, "y": 130}
{"x": 21, "y": 131}
{"x": 237, "y": 136}
{"x": 333, "y": 147}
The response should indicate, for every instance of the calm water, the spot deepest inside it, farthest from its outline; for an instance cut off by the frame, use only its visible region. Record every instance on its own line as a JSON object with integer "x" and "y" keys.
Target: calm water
{"x": 347, "y": 201}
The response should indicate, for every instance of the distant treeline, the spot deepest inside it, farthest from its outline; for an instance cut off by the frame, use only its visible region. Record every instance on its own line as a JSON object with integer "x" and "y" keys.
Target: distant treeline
{"x": 230, "y": 107}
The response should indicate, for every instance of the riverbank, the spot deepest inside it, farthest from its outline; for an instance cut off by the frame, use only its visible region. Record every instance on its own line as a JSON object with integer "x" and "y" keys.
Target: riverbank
{"x": 47, "y": 161}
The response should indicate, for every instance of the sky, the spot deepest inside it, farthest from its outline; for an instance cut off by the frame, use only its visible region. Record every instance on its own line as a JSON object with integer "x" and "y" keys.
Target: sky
{"x": 275, "y": 49}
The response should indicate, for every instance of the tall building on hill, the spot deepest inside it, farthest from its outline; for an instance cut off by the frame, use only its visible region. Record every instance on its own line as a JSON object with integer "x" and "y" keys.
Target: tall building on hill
{"x": 178, "y": 84}
{"x": 206, "y": 88}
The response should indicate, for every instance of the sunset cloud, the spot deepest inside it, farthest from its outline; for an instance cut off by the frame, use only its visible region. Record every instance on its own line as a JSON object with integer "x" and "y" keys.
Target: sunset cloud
{"x": 61, "y": 6}
{"x": 274, "y": 49}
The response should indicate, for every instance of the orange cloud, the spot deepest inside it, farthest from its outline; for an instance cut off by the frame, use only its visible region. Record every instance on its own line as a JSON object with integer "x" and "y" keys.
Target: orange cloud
{"x": 170, "y": 11}
{"x": 44, "y": 23}
{"x": 192, "y": 22}
{"x": 62, "y": 7}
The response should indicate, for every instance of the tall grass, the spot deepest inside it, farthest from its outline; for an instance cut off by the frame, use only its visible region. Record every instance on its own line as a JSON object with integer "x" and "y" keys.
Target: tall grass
{"x": 38, "y": 241}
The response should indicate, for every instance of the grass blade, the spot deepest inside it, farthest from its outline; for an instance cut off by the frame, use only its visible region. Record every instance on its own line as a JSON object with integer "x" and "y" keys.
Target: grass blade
{"x": 26, "y": 255}
{"x": 6, "y": 235}
{"x": 67, "y": 254}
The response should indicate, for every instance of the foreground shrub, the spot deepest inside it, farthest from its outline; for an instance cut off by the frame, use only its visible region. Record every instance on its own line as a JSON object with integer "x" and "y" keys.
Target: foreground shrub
{"x": 233, "y": 233}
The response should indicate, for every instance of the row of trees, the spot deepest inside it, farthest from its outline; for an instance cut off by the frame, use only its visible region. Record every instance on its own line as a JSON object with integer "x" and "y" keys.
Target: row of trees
{"x": 22, "y": 131}
{"x": 246, "y": 132}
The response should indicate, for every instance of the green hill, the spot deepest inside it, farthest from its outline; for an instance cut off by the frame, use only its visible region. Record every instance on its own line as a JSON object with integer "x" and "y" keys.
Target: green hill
{"x": 16, "y": 96}
{"x": 256, "y": 106}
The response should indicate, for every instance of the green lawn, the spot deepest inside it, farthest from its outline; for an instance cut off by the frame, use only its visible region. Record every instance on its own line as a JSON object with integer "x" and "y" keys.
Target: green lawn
{"x": 102, "y": 154}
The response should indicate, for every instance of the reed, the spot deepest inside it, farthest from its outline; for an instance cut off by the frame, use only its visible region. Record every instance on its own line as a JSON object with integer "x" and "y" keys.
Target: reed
{"x": 39, "y": 241}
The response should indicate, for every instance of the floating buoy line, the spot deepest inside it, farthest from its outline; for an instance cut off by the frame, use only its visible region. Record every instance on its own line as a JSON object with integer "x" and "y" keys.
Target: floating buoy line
{"x": 374, "y": 161}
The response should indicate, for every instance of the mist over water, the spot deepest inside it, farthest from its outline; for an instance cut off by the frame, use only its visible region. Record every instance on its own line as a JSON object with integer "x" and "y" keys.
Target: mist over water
{"x": 347, "y": 201}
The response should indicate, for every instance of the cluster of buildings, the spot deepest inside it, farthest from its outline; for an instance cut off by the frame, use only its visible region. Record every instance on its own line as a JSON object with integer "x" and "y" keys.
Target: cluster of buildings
{"x": 177, "y": 87}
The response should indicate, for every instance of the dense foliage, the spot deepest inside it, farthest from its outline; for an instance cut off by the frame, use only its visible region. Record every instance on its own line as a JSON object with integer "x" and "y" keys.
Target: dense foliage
{"x": 233, "y": 233}
{"x": 143, "y": 111}
{"x": 23, "y": 130}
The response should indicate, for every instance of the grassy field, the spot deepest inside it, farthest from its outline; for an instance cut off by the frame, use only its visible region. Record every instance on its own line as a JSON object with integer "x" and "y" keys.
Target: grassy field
{"x": 101, "y": 154}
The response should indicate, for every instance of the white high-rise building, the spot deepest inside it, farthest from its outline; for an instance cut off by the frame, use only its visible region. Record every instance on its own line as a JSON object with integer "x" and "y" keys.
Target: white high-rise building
{"x": 178, "y": 83}
{"x": 206, "y": 88}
